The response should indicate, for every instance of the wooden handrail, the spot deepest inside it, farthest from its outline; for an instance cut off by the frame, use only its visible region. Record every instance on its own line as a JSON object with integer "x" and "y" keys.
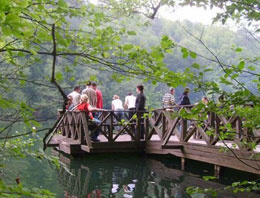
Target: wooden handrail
{"x": 74, "y": 125}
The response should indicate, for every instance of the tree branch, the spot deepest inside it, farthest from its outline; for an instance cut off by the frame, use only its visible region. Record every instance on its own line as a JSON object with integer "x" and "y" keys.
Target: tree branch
{"x": 53, "y": 80}
{"x": 235, "y": 155}
{"x": 23, "y": 134}
{"x": 216, "y": 58}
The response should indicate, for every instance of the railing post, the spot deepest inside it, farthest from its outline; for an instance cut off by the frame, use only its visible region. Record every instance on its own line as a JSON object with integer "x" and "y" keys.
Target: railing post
{"x": 69, "y": 125}
{"x": 111, "y": 127}
{"x": 217, "y": 171}
{"x": 146, "y": 128}
{"x": 81, "y": 135}
{"x": 138, "y": 126}
{"x": 85, "y": 127}
{"x": 101, "y": 117}
{"x": 163, "y": 125}
{"x": 183, "y": 129}
{"x": 182, "y": 163}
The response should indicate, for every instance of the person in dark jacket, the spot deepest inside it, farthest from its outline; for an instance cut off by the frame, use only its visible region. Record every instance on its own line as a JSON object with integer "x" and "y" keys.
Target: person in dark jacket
{"x": 140, "y": 107}
{"x": 184, "y": 99}
{"x": 140, "y": 98}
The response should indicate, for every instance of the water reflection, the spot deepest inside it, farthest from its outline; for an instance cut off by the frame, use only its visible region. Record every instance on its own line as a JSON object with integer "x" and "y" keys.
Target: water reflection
{"x": 112, "y": 176}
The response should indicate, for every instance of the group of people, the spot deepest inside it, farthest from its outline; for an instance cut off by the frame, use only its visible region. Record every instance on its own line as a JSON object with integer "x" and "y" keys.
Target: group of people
{"x": 169, "y": 99}
{"x": 91, "y": 100}
{"x": 94, "y": 95}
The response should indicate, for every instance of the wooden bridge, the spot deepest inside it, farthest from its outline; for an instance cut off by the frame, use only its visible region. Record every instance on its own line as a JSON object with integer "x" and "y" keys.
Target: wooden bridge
{"x": 164, "y": 134}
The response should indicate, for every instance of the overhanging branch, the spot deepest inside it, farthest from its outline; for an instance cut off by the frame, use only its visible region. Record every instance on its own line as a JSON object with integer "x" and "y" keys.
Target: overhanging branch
{"x": 53, "y": 80}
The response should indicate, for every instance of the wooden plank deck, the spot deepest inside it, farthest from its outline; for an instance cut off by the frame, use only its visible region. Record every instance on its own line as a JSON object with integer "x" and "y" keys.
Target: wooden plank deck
{"x": 57, "y": 138}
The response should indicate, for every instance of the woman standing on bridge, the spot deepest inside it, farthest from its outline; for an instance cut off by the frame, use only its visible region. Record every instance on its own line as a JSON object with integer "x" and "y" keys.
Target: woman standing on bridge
{"x": 184, "y": 99}
{"x": 85, "y": 106}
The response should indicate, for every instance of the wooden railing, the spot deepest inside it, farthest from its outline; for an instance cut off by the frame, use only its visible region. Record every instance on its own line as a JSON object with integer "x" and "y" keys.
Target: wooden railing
{"x": 76, "y": 126}
{"x": 167, "y": 124}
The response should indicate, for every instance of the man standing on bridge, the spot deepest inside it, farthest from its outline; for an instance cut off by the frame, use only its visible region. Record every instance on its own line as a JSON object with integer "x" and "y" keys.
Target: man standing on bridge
{"x": 91, "y": 93}
{"x": 169, "y": 100}
{"x": 140, "y": 108}
{"x": 130, "y": 104}
{"x": 75, "y": 96}
{"x": 99, "y": 96}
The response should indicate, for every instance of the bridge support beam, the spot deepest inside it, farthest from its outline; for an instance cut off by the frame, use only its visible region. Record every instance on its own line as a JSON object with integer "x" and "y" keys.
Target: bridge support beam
{"x": 183, "y": 163}
{"x": 217, "y": 171}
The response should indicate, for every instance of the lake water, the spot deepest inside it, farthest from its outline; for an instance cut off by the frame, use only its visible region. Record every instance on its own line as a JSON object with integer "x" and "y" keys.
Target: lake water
{"x": 121, "y": 176}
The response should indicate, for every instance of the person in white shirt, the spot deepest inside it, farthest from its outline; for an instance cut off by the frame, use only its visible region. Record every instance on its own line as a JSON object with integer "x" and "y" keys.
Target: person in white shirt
{"x": 75, "y": 96}
{"x": 130, "y": 104}
{"x": 117, "y": 106}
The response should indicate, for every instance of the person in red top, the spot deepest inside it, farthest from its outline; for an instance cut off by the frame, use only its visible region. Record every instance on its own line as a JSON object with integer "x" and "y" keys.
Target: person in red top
{"x": 85, "y": 106}
{"x": 99, "y": 95}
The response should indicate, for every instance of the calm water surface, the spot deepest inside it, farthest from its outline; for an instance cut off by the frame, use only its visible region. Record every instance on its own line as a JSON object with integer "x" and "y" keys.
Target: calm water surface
{"x": 120, "y": 176}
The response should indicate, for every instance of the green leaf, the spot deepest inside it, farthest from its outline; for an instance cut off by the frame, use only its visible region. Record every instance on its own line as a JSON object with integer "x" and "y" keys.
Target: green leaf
{"x": 44, "y": 36}
{"x": 62, "y": 3}
{"x": 166, "y": 42}
{"x": 6, "y": 30}
{"x": 93, "y": 78}
{"x": 234, "y": 76}
{"x": 157, "y": 54}
{"x": 12, "y": 18}
{"x": 154, "y": 82}
{"x": 72, "y": 78}
{"x": 22, "y": 82}
{"x": 97, "y": 23}
{"x": 105, "y": 54}
{"x": 128, "y": 47}
{"x": 193, "y": 55}
{"x": 132, "y": 33}
{"x": 23, "y": 3}
{"x": 185, "y": 53}
{"x": 33, "y": 52}
{"x": 142, "y": 67}
{"x": 225, "y": 81}
{"x": 196, "y": 65}
{"x": 238, "y": 49}
{"x": 241, "y": 65}
{"x": 207, "y": 70}
{"x": 252, "y": 68}
{"x": 35, "y": 123}
{"x": 20, "y": 54}
{"x": 59, "y": 76}
{"x": 228, "y": 126}
{"x": 207, "y": 178}
{"x": 67, "y": 69}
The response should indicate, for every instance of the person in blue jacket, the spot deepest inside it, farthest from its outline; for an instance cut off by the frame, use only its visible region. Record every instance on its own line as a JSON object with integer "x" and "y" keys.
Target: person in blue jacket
{"x": 184, "y": 99}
